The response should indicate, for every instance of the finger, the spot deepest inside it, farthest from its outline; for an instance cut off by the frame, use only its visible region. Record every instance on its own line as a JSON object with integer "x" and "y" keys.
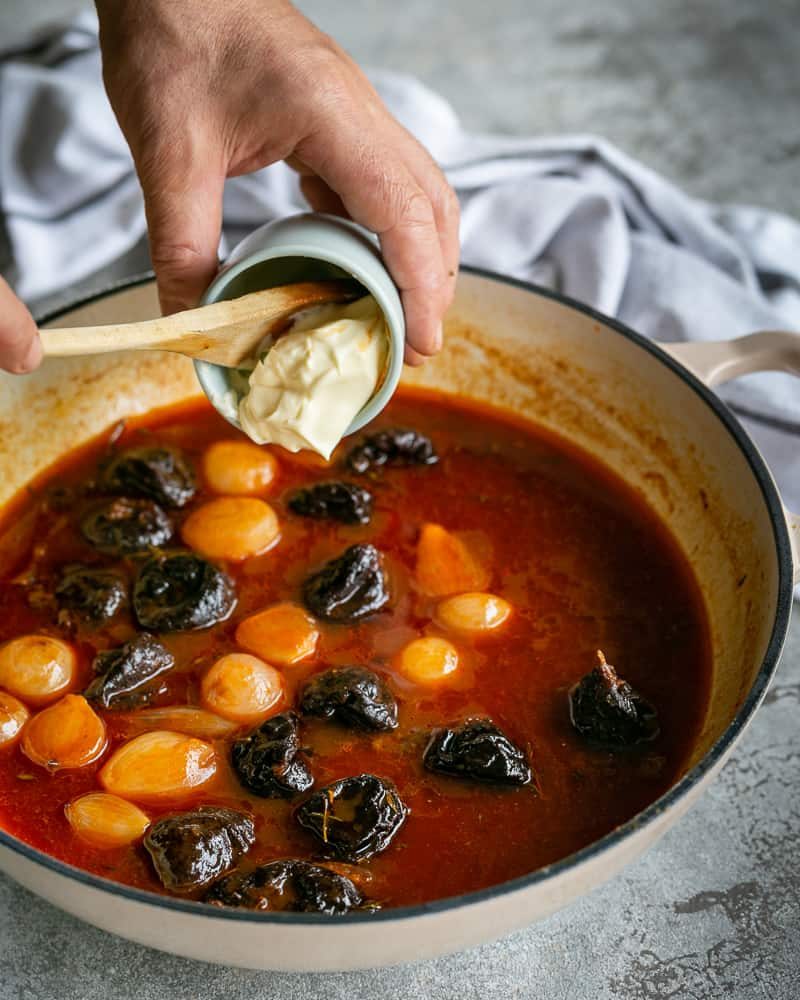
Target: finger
{"x": 315, "y": 191}
{"x": 413, "y": 256}
{"x": 379, "y": 191}
{"x": 445, "y": 205}
{"x": 183, "y": 204}
{"x": 20, "y": 347}
{"x": 320, "y": 197}
{"x": 412, "y": 358}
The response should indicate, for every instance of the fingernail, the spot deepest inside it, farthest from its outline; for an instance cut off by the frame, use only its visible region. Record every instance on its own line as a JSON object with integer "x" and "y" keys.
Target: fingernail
{"x": 438, "y": 339}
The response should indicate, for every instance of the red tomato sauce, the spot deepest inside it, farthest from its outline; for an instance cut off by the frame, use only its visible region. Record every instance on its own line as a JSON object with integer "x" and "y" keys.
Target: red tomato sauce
{"x": 582, "y": 561}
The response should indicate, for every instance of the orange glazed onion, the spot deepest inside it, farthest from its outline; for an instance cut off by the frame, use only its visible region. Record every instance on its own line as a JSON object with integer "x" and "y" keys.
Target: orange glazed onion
{"x": 160, "y": 766}
{"x": 241, "y": 688}
{"x": 106, "y": 821}
{"x": 68, "y": 734}
{"x": 232, "y": 528}
{"x": 238, "y": 468}
{"x": 13, "y": 716}
{"x": 283, "y": 634}
{"x": 473, "y": 612}
{"x": 446, "y": 565}
{"x": 428, "y": 660}
{"x": 187, "y": 719}
{"x": 37, "y": 668}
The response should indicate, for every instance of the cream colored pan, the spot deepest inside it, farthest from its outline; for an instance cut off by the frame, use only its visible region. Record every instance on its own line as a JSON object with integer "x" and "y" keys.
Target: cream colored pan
{"x": 644, "y": 410}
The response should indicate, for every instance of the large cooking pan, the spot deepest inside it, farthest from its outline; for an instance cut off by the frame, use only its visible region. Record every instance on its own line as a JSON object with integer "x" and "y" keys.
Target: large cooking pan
{"x": 637, "y": 407}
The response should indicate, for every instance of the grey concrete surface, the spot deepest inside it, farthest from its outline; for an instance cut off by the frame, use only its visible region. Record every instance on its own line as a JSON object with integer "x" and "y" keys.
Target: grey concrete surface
{"x": 708, "y": 93}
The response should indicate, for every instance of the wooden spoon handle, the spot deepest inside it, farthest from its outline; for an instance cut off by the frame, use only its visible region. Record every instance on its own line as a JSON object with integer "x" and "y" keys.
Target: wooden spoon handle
{"x": 220, "y": 332}
{"x": 166, "y": 333}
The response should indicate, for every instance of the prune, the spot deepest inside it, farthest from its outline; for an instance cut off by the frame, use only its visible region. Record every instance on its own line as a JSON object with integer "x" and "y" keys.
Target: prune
{"x": 336, "y": 501}
{"x": 180, "y": 591}
{"x": 354, "y": 696}
{"x": 159, "y": 473}
{"x": 191, "y": 849}
{"x": 477, "y": 749}
{"x": 348, "y": 588}
{"x": 126, "y": 675}
{"x": 397, "y": 446}
{"x": 267, "y": 762}
{"x": 293, "y": 886}
{"x": 607, "y": 711}
{"x": 62, "y": 498}
{"x": 123, "y": 526}
{"x": 91, "y": 594}
{"x": 354, "y": 818}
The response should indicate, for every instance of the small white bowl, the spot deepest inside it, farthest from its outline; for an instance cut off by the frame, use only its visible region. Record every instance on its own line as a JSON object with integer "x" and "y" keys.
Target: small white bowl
{"x": 306, "y": 247}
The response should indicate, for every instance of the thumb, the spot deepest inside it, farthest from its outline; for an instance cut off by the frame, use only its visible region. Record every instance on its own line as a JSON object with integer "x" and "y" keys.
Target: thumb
{"x": 183, "y": 206}
{"x": 20, "y": 349}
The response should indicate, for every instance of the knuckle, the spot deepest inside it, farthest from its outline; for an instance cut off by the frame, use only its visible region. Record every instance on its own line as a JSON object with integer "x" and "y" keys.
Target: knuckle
{"x": 410, "y": 206}
{"x": 336, "y": 92}
{"x": 415, "y": 207}
{"x": 175, "y": 258}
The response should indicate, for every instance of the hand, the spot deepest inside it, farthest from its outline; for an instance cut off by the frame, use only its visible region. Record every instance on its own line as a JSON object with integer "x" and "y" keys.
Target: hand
{"x": 205, "y": 90}
{"x": 20, "y": 350}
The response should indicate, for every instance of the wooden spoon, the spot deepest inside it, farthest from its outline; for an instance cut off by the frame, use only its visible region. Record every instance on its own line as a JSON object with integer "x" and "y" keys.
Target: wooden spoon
{"x": 225, "y": 333}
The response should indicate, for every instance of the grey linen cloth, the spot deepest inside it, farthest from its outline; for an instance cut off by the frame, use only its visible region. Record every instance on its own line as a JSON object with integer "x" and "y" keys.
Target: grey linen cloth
{"x": 570, "y": 212}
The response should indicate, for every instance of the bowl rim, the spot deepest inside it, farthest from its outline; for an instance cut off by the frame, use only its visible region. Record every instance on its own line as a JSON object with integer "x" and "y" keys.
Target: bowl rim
{"x": 714, "y": 755}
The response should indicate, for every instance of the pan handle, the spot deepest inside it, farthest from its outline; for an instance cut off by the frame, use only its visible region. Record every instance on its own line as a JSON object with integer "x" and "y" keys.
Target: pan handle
{"x": 718, "y": 361}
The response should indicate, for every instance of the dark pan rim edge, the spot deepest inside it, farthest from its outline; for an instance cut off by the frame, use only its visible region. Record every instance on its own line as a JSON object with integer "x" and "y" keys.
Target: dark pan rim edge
{"x": 644, "y": 818}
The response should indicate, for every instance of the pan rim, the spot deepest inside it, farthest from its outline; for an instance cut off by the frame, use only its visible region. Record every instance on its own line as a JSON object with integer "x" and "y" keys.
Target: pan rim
{"x": 677, "y": 792}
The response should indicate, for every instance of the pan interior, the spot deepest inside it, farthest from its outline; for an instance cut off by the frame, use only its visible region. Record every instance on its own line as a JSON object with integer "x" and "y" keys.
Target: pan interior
{"x": 519, "y": 351}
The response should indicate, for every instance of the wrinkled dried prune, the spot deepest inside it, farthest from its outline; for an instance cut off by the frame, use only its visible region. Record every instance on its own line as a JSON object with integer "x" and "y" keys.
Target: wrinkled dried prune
{"x": 191, "y": 849}
{"x": 606, "y": 710}
{"x": 293, "y": 886}
{"x": 267, "y": 762}
{"x": 477, "y": 749}
{"x": 354, "y": 818}
{"x": 126, "y": 675}
{"x": 354, "y": 696}
{"x": 123, "y": 526}
{"x": 92, "y": 594}
{"x": 180, "y": 591}
{"x": 348, "y": 588}
{"x": 336, "y": 501}
{"x": 398, "y": 446}
{"x": 158, "y": 472}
